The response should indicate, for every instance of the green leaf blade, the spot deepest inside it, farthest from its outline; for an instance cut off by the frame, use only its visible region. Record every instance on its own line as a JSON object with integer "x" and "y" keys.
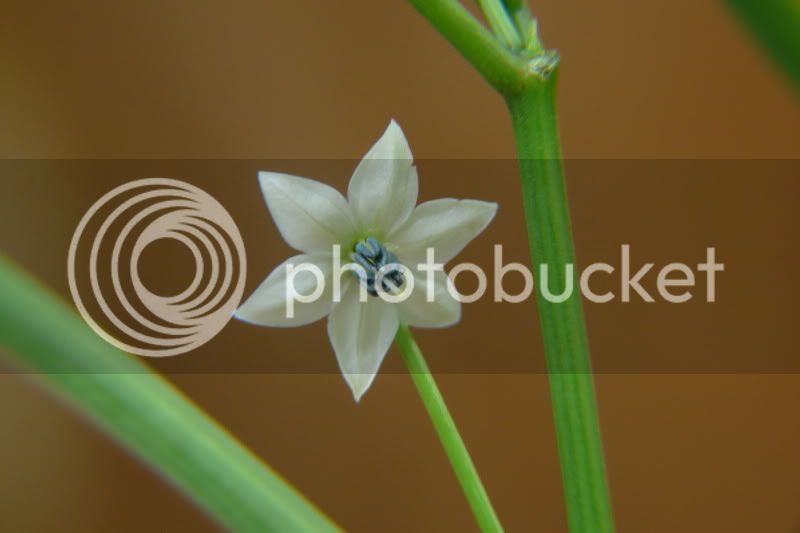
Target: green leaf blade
{"x": 776, "y": 25}
{"x": 145, "y": 413}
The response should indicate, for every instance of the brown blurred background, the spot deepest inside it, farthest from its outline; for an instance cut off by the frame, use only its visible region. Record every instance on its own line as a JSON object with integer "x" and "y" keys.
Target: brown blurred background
{"x": 314, "y": 79}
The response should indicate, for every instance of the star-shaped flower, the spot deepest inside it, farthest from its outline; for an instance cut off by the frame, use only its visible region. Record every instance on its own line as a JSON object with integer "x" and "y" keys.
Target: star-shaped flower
{"x": 376, "y": 226}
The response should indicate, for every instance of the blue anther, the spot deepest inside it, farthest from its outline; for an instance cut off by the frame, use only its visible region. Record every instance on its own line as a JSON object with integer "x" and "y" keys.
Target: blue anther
{"x": 371, "y": 255}
{"x": 363, "y": 261}
{"x": 375, "y": 245}
{"x": 363, "y": 250}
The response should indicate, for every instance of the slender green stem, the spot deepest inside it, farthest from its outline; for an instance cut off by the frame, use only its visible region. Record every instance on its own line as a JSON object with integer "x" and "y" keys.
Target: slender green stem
{"x": 776, "y": 24}
{"x": 447, "y": 431}
{"x": 566, "y": 347}
{"x": 500, "y": 67}
{"x": 501, "y": 23}
{"x": 527, "y": 26}
{"x": 144, "y": 413}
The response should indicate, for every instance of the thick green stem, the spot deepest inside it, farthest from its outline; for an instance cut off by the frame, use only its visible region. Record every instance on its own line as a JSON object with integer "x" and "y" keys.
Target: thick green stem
{"x": 448, "y": 433}
{"x": 535, "y": 122}
{"x": 530, "y": 95}
{"x": 144, "y": 413}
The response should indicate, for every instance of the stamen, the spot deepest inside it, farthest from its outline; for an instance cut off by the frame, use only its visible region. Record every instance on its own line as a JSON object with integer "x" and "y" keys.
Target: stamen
{"x": 371, "y": 255}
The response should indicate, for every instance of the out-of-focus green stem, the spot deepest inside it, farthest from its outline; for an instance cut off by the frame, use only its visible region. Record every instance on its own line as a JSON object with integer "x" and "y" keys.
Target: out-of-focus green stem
{"x": 144, "y": 413}
{"x": 448, "y": 432}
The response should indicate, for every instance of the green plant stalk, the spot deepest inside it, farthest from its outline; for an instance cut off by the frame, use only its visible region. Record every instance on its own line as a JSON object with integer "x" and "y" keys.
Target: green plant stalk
{"x": 501, "y": 69}
{"x": 776, "y": 24}
{"x": 501, "y": 24}
{"x": 448, "y": 433}
{"x": 534, "y": 118}
{"x": 144, "y": 413}
{"x": 530, "y": 94}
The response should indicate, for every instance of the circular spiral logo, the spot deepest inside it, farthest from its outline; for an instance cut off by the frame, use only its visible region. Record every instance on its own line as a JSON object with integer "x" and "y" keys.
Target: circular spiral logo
{"x": 130, "y": 218}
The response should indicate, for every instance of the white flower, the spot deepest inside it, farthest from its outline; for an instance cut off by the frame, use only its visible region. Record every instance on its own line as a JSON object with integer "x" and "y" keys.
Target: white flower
{"x": 377, "y": 223}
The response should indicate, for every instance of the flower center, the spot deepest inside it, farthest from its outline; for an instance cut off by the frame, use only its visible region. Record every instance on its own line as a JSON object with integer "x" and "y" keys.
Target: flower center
{"x": 373, "y": 256}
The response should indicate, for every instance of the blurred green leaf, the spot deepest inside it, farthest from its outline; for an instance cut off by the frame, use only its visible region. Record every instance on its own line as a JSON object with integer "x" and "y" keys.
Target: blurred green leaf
{"x": 776, "y": 24}
{"x": 513, "y": 5}
{"x": 145, "y": 413}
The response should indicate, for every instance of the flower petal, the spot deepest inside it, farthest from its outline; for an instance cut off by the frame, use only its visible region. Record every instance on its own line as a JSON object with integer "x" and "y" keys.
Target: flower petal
{"x": 361, "y": 334}
{"x": 446, "y": 225}
{"x": 384, "y": 186}
{"x": 269, "y": 304}
{"x": 442, "y": 311}
{"x": 310, "y": 215}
